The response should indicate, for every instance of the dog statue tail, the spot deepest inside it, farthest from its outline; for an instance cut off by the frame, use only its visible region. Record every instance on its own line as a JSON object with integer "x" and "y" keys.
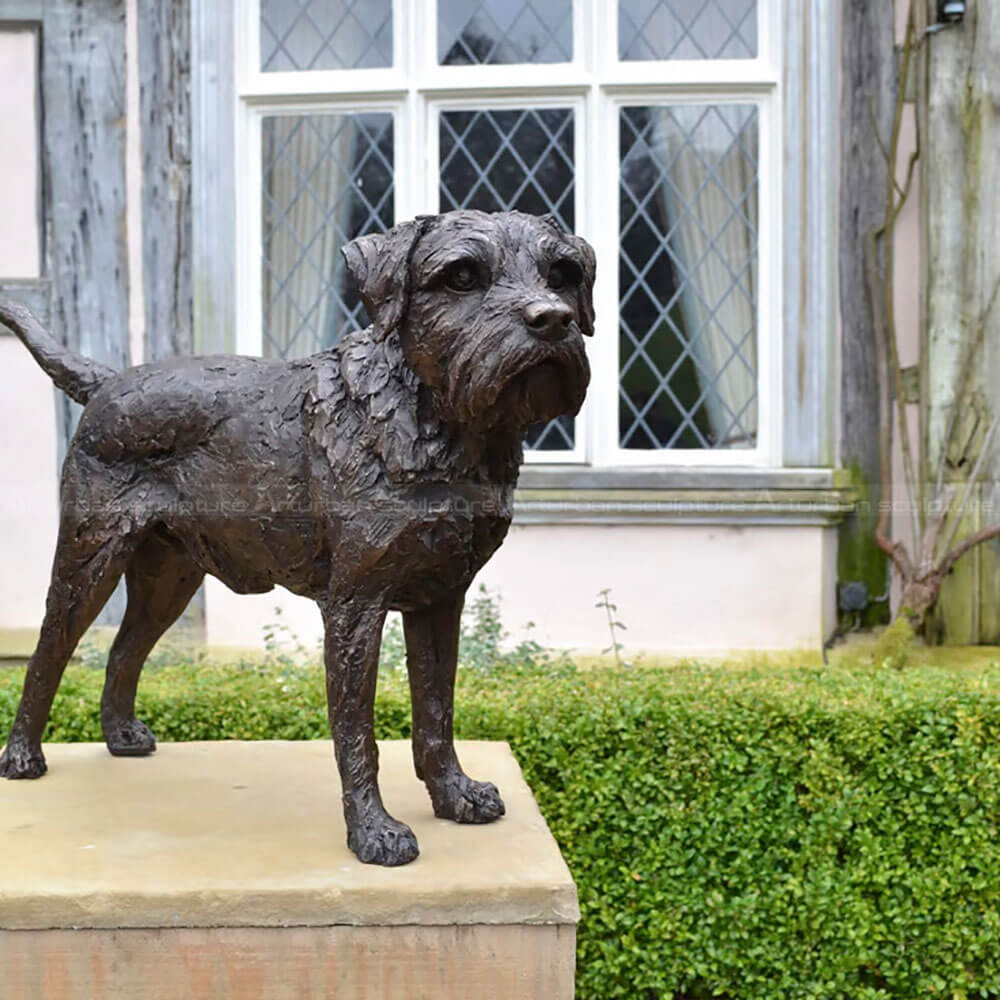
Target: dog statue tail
{"x": 77, "y": 376}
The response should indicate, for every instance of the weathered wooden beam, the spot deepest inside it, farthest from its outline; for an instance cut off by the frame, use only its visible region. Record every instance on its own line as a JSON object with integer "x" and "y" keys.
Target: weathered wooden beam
{"x": 165, "y": 103}
{"x": 961, "y": 206}
{"x": 868, "y": 97}
{"x": 164, "y": 31}
{"x": 213, "y": 94}
{"x": 83, "y": 88}
{"x": 809, "y": 196}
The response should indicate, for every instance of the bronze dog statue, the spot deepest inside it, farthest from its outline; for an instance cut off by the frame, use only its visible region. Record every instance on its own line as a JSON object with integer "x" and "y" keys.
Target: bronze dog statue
{"x": 377, "y": 475}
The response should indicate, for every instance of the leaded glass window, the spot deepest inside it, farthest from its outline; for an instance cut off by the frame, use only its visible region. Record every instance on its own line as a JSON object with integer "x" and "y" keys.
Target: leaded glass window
{"x": 687, "y": 29}
{"x": 327, "y": 179}
{"x": 325, "y": 34}
{"x": 504, "y": 31}
{"x": 687, "y": 277}
{"x": 509, "y": 159}
{"x": 612, "y": 117}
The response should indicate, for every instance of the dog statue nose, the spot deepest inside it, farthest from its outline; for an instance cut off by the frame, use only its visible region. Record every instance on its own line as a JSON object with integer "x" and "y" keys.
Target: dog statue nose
{"x": 548, "y": 319}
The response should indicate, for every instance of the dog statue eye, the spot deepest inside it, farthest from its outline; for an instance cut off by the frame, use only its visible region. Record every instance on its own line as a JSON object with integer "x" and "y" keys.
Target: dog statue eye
{"x": 564, "y": 274}
{"x": 462, "y": 276}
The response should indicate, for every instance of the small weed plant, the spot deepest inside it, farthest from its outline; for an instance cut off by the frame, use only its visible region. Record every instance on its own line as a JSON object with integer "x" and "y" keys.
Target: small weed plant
{"x": 614, "y": 627}
{"x": 484, "y": 644}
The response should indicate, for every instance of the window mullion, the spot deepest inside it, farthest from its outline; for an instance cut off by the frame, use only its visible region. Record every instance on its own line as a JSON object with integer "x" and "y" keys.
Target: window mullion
{"x": 402, "y": 36}
{"x": 583, "y": 50}
{"x": 409, "y": 139}
{"x": 770, "y": 258}
{"x": 249, "y": 245}
{"x": 247, "y": 48}
{"x": 603, "y": 349}
{"x": 430, "y": 162}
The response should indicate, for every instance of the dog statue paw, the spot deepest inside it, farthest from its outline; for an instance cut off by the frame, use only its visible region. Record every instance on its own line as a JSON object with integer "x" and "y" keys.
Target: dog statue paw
{"x": 129, "y": 738}
{"x": 19, "y": 760}
{"x": 384, "y": 842}
{"x": 463, "y": 800}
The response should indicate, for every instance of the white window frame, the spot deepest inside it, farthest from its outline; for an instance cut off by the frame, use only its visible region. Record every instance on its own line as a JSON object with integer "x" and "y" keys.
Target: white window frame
{"x": 596, "y": 85}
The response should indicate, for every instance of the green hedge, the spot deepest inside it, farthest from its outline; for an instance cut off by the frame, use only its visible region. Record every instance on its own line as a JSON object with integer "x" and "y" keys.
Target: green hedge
{"x": 741, "y": 833}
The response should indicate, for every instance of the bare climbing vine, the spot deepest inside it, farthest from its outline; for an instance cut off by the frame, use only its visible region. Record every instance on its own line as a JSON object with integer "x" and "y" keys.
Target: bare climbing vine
{"x": 937, "y": 508}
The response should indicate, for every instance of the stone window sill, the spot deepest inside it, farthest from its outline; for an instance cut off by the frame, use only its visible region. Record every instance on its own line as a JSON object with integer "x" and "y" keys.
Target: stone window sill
{"x": 578, "y": 495}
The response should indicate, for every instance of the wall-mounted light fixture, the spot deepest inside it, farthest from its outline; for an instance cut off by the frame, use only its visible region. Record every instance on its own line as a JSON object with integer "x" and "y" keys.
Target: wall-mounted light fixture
{"x": 951, "y": 11}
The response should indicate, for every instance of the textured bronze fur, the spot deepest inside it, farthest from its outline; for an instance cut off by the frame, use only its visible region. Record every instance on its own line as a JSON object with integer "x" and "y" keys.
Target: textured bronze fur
{"x": 377, "y": 475}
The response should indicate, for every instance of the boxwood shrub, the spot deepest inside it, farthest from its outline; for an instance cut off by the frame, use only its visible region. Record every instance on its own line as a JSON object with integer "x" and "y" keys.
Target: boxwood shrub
{"x": 755, "y": 832}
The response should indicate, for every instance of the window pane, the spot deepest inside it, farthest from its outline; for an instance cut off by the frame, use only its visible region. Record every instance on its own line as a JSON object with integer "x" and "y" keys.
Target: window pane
{"x": 687, "y": 277}
{"x": 20, "y": 232}
{"x": 325, "y": 34}
{"x": 687, "y": 29}
{"x": 326, "y": 180}
{"x": 513, "y": 159}
{"x": 504, "y": 31}
{"x": 508, "y": 159}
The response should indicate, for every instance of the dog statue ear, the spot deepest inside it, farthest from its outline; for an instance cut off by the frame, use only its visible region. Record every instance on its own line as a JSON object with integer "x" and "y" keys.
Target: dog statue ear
{"x": 585, "y": 297}
{"x": 380, "y": 266}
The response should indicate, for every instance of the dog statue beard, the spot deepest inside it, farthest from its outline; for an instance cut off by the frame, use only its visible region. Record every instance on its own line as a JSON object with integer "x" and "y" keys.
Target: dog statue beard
{"x": 494, "y": 384}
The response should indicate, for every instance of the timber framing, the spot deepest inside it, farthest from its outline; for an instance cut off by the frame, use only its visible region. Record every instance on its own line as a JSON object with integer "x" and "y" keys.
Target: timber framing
{"x": 809, "y": 227}
{"x": 960, "y": 204}
{"x": 164, "y": 31}
{"x": 868, "y": 88}
{"x": 83, "y": 294}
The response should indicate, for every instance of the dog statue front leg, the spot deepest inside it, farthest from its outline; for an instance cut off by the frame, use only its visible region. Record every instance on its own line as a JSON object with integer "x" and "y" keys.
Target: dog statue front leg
{"x": 353, "y": 635}
{"x": 431, "y": 658}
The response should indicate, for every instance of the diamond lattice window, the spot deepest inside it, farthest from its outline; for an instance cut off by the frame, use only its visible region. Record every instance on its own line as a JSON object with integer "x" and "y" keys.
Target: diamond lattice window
{"x": 687, "y": 29}
{"x": 504, "y": 31}
{"x": 687, "y": 277}
{"x": 325, "y": 34}
{"x": 512, "y": 159}
{"x": 675, "y": 94}
{"x": 326, "y": 180}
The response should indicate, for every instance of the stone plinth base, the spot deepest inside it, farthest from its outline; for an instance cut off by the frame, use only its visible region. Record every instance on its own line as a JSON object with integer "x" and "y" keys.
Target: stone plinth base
{"x": 220, "y": 870}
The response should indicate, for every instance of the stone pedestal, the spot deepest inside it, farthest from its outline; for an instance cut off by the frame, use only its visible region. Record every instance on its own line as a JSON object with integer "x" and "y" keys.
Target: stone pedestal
{"x": 218, "y": 870}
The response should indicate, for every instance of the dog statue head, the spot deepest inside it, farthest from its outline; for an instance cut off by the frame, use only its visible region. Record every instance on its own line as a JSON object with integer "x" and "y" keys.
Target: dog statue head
{"x": 490, "y": 311}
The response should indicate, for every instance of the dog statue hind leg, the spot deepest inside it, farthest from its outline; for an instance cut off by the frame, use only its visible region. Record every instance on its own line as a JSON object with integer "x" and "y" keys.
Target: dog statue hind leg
{"x": 87, "y": 567}
{"x": 161, "y": 579}
{"x": 92, "y": 552}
